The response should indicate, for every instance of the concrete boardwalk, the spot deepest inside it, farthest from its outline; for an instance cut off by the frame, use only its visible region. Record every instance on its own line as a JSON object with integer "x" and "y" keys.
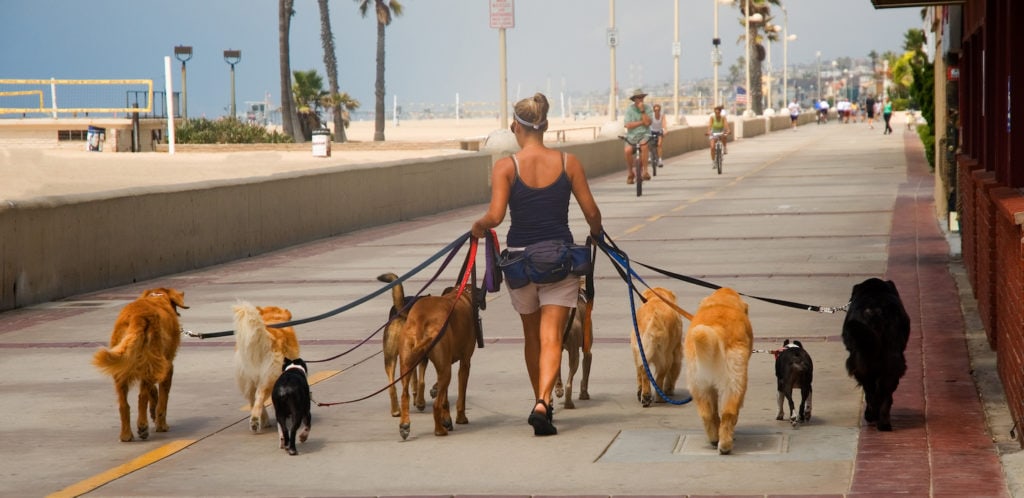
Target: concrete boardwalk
{"x": 800, "y": 216}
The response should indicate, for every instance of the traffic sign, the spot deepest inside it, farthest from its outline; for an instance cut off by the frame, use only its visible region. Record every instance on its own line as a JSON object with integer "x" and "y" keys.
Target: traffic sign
{"x": 503, "y": 14}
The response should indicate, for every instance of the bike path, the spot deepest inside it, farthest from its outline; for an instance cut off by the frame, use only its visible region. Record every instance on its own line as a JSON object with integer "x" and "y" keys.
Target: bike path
{"x": 798, "y": 215}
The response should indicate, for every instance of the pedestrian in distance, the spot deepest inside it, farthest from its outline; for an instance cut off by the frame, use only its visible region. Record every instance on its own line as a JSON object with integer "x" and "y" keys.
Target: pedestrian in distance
{"x": 887, "y": 115}
{"x": 794, "y": 113}
{"x": 869, "y": 107}
{"x": 534, "y": 185}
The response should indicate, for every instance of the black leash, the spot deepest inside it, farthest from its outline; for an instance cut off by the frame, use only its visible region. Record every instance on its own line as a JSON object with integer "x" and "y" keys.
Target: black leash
{"x": 609, "y": 247}
{"x": 451, "y": 249}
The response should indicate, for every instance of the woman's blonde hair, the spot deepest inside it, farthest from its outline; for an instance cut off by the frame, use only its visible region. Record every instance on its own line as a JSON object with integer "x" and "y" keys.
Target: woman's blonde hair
{"x": 532, "y": 112}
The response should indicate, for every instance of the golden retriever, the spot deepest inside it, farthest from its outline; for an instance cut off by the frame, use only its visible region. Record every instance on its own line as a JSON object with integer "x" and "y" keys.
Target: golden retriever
{"x": 717, "y": 349}
{"x": 259, "y": 355}
{"x": 661, "y": 333}
{"x": 142, "y": 349}
{"x": 425, "y": 322}
{"x": 397, "y": 315}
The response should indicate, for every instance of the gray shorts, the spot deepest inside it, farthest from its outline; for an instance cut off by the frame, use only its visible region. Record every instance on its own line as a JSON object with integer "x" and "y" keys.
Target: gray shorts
{"x": 529, "y": 298}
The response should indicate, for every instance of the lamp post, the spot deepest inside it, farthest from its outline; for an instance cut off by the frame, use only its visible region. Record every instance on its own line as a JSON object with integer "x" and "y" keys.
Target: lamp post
{"x": 835, "y": 70}
{"x": 818, "y": 55}
{"x": 716, "y": 54}
{"x": 786, "y": 38}
{"x": 233, "y": 57}
{"x": 676, "y": 51}
{"x": 183, "y": 53}
{"x": 773, "y": 28}
{"x": 612, "y": 41}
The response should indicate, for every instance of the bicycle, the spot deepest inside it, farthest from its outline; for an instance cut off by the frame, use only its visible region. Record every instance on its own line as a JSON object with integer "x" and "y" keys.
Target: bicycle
{"x": 718, "y": 137}
{"x": 637, "y": 161}
{"x": 652, "y": 147}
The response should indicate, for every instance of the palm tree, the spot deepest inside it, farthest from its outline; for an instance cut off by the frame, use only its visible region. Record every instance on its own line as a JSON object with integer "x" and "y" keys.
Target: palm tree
{"x": 755, "y": 37}
{"x": 331, "y": 65}
{"x": 385, "y": 9}
{"x": 310, "y": 96}
{"x": 289, "y": 118}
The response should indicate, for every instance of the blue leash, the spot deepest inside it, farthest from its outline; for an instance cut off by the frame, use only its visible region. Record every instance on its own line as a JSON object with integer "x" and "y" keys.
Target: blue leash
{"x": 621, "y": 259}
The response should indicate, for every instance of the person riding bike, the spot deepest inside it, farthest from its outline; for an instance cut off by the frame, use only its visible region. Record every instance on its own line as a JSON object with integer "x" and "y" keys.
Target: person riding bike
{"x": 658, "y": 131}
{"x": 637, "y": 122}
{"x": 718, "y": 124}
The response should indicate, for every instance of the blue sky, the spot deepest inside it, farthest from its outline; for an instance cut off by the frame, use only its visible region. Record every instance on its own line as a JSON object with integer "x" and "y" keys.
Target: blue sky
{"x": 438, "y": 49}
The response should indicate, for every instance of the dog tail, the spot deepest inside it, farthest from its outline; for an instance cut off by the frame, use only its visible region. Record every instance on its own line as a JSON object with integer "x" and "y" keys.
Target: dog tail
{"x": 121, "y": 359}
{"x": 706, "y": 341}
{"x": 397, "y": 293}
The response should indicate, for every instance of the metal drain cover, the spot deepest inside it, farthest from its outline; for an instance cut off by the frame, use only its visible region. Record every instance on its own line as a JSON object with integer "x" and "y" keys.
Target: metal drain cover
{"x": 747, "y": 444}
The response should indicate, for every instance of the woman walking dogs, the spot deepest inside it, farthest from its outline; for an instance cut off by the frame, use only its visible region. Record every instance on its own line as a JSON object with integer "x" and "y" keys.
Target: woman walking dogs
{"x": 534, "y": 184}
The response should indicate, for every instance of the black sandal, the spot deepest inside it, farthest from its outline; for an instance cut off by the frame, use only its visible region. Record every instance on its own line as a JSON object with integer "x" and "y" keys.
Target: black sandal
{"x": 541, "y": 422}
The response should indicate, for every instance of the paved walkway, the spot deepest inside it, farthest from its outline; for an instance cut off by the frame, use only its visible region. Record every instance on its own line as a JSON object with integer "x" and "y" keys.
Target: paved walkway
{"x": 796, "y": 215}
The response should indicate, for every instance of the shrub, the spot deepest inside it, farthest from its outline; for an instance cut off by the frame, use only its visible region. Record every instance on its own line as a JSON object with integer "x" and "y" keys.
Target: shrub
{"x": 225, "y": 131}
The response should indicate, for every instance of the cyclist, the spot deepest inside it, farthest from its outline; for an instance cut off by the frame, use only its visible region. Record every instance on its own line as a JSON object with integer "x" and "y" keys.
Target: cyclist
{"x": 637, "y": 122}
{"x": 718, "y": 124}
{"x": 658, "y": 131}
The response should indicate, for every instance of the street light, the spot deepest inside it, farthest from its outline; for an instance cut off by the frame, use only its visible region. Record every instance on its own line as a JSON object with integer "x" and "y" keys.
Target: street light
{"x": 835, "y": 70}
{"x": 786, "y": 38}
{"x": 233, "y": 57}
{"x": 183, "y": 53}
{"x": 716, "y": 54}
{"x": 612, "y": 41}
{"x": 818, "y": 55}
{"x": 769, "y": 28}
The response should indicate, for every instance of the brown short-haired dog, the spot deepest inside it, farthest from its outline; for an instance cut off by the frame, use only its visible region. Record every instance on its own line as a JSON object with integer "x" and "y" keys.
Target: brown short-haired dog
{"x": 142, "y": 349}
{"x": 426, "y": 319}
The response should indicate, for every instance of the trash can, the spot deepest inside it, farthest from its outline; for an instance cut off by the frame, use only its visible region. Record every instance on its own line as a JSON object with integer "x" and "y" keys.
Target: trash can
{"x": 322, "y": 143}
{"x": 94, "y": 138}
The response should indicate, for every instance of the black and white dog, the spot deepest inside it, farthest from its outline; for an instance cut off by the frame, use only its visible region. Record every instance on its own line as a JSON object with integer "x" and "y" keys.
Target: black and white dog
{"x": 292, "y": 403}
{"x": 794, "y": 370}
{"x": 875, "y": 332}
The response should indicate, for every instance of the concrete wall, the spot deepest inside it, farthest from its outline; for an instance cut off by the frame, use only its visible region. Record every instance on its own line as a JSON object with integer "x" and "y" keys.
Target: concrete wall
{"x": 42, "y": 133}
{"x": 56, "y": 247}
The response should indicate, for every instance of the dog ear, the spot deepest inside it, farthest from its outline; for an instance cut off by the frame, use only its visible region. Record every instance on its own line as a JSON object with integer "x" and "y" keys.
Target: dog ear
{"x": 797, "y": 343}
{"x": 785, "y": 343}
{"x": 177, "y": 298}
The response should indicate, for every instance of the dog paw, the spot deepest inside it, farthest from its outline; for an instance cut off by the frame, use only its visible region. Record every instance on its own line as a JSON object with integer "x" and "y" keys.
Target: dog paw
{"x": 584, "y": 395}
{"x": 559, "y": 391}
{"x": 293, "y": 451}
{"x": 461, "y": 419}
{"x": 724, "y": 449}
{"x": 255, "y": 424}
{"x": 143, "y": 433}
{"x": 403, "y": 430}
{"x": 433, "y": 391}
{"x": 421, "y": 406}
{"x": 162, "y": 427}
{"x": 646, "y": 400}
{"x": 884, "y": 426}
{"x": 281, "y": 446}
{"x": 447, "y": 424}
{"x": 127, "y": 437}
{"x": 569, "y": 404}
{"x": 780, "y": 416}
{"x": 303, "y": 436}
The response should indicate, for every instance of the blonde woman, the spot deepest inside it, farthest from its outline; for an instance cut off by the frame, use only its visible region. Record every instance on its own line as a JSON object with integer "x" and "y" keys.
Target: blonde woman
{"x": 534, "y": 185}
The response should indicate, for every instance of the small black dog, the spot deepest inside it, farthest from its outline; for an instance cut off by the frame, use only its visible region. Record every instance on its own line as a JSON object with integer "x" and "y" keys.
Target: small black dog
{"x": 875, "y": 332}
{"x": 794, "y": 369}
{"x": 292, "y": 403}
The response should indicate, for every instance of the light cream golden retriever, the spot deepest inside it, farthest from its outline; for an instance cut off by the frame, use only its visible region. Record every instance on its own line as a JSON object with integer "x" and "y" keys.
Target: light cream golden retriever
{"x": 717, "y": 350}
{"x": 142, "y": 349}
{"x": 259, "y": 355}
{"x": 661, "y": 334}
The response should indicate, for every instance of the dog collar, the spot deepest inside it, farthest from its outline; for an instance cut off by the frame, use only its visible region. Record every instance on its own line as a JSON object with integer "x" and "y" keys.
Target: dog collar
{"x": 791, "y": 345}
{"x": 295, "y": 367}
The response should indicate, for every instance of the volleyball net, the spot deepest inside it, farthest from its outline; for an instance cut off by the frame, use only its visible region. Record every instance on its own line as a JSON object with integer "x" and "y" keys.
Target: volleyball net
{"x": 57, "y": 97}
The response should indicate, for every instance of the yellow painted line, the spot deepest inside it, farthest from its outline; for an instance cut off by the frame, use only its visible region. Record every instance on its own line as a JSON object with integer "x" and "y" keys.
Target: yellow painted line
{"x": 313, "y": 379}
{"x": 124, "y": 469}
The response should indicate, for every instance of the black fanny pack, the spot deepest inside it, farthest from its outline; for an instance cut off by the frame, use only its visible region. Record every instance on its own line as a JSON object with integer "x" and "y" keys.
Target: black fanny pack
{"x": 545, "y": 262}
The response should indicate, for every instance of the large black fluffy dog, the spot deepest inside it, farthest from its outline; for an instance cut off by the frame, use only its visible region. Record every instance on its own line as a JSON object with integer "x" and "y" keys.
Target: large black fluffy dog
{"x": 794, "y": 370}
{"x": 875, "y": 332}
{"x": 292, "y": 403}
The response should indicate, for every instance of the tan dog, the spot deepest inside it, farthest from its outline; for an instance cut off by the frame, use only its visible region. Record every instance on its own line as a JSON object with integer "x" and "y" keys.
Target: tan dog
{"x": 392, "y": 336}
{"x": 259, "y": 355}
{"x": 717, "y": 350}
{"x": 425, "y": 322}
{"x": 661, "y": 333}
{"x": 142, "y": 349}
{"x": 579, "y": 334}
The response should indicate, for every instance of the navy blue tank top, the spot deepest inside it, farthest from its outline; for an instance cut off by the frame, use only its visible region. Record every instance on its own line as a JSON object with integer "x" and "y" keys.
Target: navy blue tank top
{"x": 539, "y": 214}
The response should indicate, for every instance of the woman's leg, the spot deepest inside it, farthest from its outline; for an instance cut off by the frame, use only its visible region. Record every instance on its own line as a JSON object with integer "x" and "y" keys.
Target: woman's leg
{"x": 552, "y": 326}
{"x": 532, "y": 348}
